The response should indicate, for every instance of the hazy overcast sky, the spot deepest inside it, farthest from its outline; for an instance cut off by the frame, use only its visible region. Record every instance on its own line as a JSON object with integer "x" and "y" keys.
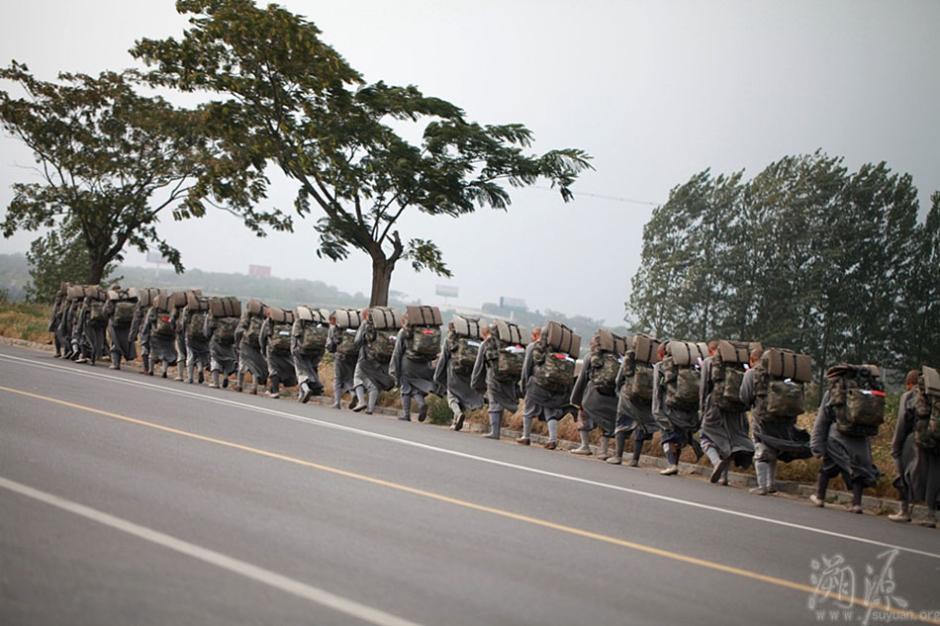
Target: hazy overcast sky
{"x": 655, "y": 91}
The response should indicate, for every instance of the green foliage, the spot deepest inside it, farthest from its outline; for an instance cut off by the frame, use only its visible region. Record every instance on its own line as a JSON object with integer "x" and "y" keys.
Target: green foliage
{"x": 60, "y": 256}
{"x": 805, "y": 255}
{"x": 111, "y": 161}
{"x": 292, "y": 101}
{"x": 438, "y": 411}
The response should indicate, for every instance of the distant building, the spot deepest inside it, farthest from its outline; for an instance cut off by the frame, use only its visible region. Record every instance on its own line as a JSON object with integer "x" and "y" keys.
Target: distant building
{"x": 259, "y": 271}
{"x": 517, "y": 304}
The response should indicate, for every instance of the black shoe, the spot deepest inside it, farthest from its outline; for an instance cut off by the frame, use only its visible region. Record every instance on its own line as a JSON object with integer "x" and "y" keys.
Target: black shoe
{"x": 719, "y": 470}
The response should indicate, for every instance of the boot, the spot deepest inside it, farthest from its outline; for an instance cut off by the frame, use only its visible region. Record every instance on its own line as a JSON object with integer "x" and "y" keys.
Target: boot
{"x": 496, "y": 418}
{"x": 214, "y": 380}
{"x": 524, "y": 440}
{"x": 903, "y": 515}
{"x": 405, "y": 409}
{"x": 552, "y": 435}
{"x": 190, "y": 370}
{"x": 620, "y": 440}
{"x": 585, "y": 448}
{"x": 145, "y": 364}
{"x": 422, "y": 409}
{"x": 637, "y": 452}
{"x": 373, "y": 399}
{"x": 337, "y": 396}
{"x": 274, "y": 389}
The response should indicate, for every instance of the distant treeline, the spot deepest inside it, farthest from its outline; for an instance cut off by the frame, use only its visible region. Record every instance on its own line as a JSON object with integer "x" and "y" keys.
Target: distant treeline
{"x": 806, "y": 255}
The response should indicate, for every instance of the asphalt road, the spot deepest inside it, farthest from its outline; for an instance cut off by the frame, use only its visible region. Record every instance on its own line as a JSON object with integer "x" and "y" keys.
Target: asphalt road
{"x": 127, "y": 499}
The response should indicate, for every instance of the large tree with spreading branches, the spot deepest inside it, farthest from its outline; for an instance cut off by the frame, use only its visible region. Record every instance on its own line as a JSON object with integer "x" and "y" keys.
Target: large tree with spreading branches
{"x": 362, "y": 153}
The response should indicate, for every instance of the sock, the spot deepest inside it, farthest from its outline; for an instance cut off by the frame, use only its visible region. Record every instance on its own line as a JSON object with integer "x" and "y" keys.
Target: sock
{"x": 553, "y": 430}
{"x": 672, "y": 453}
{"x": 857, "y": 488}
{"x": 496, "y": 419}
{"x": 526, "y": 427}
{"x": 605, "y": 445}
{"x": 585, "y": 439}
{"x": 713, "y": 456}
{"x": 620, "y": 440}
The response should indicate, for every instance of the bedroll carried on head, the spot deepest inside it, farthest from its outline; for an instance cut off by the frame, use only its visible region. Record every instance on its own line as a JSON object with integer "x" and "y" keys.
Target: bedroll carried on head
{"x": 423, "y": 316}
{"x": 682, "y": 372}
{"x": 384, "y": 318}
{"x": 857, "y": 397}
{"x": 560, "y": 338}
{"x": 508, "y": 333}
{"x": 466, "y": 326}
{"x": 347, "y": 318}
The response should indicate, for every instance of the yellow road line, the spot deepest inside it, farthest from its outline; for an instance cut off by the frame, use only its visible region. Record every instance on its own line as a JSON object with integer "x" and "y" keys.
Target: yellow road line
{"x": 571, "y": 530}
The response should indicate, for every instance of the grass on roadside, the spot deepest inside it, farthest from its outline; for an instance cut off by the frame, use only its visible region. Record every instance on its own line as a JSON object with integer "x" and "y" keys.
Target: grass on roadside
{"x": 20, "y": 320}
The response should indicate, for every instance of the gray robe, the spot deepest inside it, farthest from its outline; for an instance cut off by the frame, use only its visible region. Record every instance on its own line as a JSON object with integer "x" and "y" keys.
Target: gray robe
{"x": 91, "y": 336}
{"x": 500, "y": 395}
{"x": 344, "y": 367}
{"x": 678, "y": 426}
{"x": 413, "y": 377}
{"x": 250, "y": 357}
{"x": 63, "y": 330}
{"x": 280, "y": 364}
{"x": 600, "y": 409}
{"x": 197, "y": 350}
{"x": 632, "y": 415}
{"x": 728, "y": 432}
{"x": 58, "y": 310}
{"x": 775, "y": 438}
{"x": 306, "y": 366}
{"x": 369, "y": 373}
{"x": 162, "y": 347}
{"x": 540, "y": 402}
{"x": 223, "y": 357}
{"x": 918, "y": 467}
{"x": 137, "y": 329}
{"x": 842, "y": 453}
{"x": 122, "y": 339}
{"x": 461, "y": 395}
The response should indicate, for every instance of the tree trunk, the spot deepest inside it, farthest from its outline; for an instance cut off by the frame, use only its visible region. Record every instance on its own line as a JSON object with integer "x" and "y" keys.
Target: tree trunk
{"x": 95, "y": 271}
{"x": 382, "y": 269}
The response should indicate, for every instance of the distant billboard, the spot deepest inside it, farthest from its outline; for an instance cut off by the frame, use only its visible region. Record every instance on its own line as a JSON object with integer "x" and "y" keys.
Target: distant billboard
{"x": 512, "y": 303}
{"x": 259, "y": 271}
{"x": 154, "y": 256}
{"x": 448, "y": 291}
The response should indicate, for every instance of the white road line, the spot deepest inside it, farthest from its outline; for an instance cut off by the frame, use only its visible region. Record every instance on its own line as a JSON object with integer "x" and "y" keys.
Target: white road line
{"x": 415, "y": 444}
{"x": 258, "y": 574}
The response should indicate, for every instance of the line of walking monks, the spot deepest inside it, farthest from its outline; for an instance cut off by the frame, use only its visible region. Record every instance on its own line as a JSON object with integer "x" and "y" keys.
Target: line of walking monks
{"x": 735, "y": 403}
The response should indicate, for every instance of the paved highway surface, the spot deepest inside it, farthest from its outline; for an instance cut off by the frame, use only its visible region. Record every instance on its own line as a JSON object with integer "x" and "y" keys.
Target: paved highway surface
{"x": 128, "y": 499}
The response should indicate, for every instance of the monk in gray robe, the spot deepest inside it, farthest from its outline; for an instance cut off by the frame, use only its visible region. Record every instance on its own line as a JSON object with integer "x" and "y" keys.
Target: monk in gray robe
{"x": 280, "y": 362}
{"x": 678, "y": 425}
{"x": 223, "y": 359}
{"x": 371, "y": 377}
{"x": 725, "y": 434}
{"x": 90, "y": 329}
{"x": 461, "y": 395}
{"x": 501, "y": 395}
{"x": 120, "y": 324}
{"x": 138, "y": 333}
{"x": 306, "y": 365}
{"x": 775, "y": 439}
{"x": 55, "y": 321}
{"x": 916, "y": 454}
{"x": 544, "y": 404}
{"x": 340, "y": 342}
{"x": 250, "y": 357}
{"x": 413, "y": 376}
{"x": 159, "y": 327}
{"x": 597, "y": 408}
{"x": 634, "y": 416}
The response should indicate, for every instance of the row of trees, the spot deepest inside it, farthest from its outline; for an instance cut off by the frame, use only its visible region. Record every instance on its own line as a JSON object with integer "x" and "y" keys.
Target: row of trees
{"x": 113, "y": 159}
{"x": 806, "y": 254}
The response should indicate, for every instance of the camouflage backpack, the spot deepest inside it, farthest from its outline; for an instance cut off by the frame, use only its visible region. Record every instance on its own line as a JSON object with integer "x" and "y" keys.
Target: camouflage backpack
{"x": 605, "y": 361}
{"x": 554, "y": 370}
{"x": 927, "y": 409}
{"x": 424, "y": 343}
{"x": 124, "y": 312}
{"x": 638, "y": 369}
{"x": 252, "y": 329}
{"x": 681, "y": 373}
{"x": 347, "y": 342}
{"x": 727, "y": 374}
{"x": 97, "y": 315}
{"x": 778, "y": 384}
{"x": 464, "y": 344}
{"x": 195, "y": 325}
{"x": 311, "y": 329}
{"x": 282, "y": 325}
{"x": 225, "y": 329}
{"x": 163, "y": 324}
{"x": 505, "y": 352}
{"x": 857, "y": 397}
